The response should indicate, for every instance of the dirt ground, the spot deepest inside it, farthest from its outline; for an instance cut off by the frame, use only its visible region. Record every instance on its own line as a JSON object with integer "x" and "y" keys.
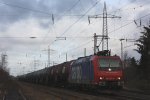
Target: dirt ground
{"x": 12, "y": 89}
{"x": 40, "y": 92}
{"x": 32, "y": 92}
{"x": 9, "y": 90}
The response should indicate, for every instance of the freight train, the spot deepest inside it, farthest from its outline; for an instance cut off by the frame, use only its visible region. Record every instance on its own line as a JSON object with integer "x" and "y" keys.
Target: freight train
{"x": 99, "y": 70}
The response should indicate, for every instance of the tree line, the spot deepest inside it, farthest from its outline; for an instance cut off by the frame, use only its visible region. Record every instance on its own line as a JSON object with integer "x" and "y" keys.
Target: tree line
{"x": 143, "y": 48}
{"x": 140, "y": 69}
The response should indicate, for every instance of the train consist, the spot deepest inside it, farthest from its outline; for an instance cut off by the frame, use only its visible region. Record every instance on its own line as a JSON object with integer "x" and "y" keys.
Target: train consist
{"x": 96, "y": 70}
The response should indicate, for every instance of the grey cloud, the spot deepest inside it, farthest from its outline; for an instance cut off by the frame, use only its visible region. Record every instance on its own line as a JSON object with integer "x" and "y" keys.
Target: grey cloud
{"x": 132, "y": 0}
{"x": 15, "y": 10}
{"x": 140, "y": 1}
{"x": 45, "y": 24}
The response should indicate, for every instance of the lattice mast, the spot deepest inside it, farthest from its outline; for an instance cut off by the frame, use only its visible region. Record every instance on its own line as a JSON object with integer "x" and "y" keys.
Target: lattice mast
{"x": 105, "y": 29}
{"x": 104, "y": 35}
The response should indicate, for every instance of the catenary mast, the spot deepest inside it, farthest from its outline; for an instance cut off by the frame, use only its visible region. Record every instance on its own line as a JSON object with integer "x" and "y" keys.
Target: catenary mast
{"x": 104, "y": 35}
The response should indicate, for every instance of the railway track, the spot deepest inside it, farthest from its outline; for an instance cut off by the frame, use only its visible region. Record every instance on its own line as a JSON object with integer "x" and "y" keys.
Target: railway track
{"x": 108, "y": 94}
{"x": 9, "y": 90}
{"x": 136, "y": 95}
{"x": 78, "y": 94}
{"x": 13, "y": 95}
{"x": 116, "y": 94}
{"x": 146, "y": 92}
{"x": 125, "y": 95}
{"x": 64, "y": 94}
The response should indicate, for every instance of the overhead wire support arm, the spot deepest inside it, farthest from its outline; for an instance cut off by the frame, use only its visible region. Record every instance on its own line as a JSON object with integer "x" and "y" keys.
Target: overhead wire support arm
{"x": 61, "y": 38}
{"x": 100, "y": 16}
{"x": 123, "y": 39}
{"x": 95, "y": 41}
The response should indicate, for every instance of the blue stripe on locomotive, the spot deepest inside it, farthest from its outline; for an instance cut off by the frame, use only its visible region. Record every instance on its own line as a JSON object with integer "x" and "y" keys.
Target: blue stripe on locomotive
{"x": 91, "y": 70}
{"x": 82, "y": 71}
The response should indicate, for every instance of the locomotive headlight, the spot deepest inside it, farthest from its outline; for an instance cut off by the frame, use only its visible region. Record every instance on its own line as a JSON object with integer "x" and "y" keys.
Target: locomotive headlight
{"x": 109, "y": 69}
{"x": 119, "y": 78}
{"x": 100, "y": 78}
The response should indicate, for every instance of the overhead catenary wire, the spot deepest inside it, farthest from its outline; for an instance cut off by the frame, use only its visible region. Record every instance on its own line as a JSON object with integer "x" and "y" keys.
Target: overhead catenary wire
{"x": 72, "y": 6}
{"x": 21, "y": 7}
{"x": 79, "y": 46}
{"x": 62, "y": 15}
{"x": 129, "y": 46}
{"x": 127, "y": 39}
{"x": 42, "y": 11}
{"x": 77, "y": 21}
{"x": 48, "y": 37}
{"x": 48, "y": 13}
{"x": 129, "y": 23}
{"x": 79, "y": 18}
{"x": 75, "y": 48}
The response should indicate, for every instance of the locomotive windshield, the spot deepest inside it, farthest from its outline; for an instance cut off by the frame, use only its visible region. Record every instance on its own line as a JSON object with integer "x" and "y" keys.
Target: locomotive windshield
{"x": 109, "y": 63}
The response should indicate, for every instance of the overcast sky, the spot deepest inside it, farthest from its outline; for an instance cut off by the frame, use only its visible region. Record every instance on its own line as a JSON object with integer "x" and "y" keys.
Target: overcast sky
{"x": 48, "y": 19}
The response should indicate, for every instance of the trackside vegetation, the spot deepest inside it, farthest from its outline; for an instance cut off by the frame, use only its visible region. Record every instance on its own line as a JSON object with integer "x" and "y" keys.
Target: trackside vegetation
{"x": 137, "y": 74}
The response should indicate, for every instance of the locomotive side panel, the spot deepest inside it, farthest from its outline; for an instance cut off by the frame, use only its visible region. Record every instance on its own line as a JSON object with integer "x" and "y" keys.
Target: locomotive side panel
{"x": 81, "y": 72}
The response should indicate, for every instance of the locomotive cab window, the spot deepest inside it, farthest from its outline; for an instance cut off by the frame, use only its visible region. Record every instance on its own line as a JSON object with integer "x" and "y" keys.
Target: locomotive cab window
{"x": 109, "y": 63}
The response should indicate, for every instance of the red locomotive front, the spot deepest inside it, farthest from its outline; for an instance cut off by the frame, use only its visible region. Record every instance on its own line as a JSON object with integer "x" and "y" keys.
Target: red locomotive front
{"x": 107, "y": 71}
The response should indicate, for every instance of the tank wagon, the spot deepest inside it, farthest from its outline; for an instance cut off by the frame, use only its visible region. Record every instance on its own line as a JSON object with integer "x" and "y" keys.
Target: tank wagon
{"x": 91, "y": 71}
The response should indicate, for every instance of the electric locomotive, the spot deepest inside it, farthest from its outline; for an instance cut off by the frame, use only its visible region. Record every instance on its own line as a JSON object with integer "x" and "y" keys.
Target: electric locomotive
{"x": 97, "y": 70}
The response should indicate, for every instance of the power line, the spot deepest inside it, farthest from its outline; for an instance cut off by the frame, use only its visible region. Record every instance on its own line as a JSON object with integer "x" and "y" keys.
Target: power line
{"x": 43, "y": 12}
{"x": 129, "y": 23}
{"x": 51, "y": 37}
{"x": 62, "y": 15}
{"x": 72, "y": 25}
{"x": 120, "y": 9}
{"x": 21, "y": 7}
{"x": 26, "y": 37}
{"x": 84, "y": 15}
{"x": 73, "y": 6}
{"x": 79, "y": 18}
{"x": 129, "y": 46}
{"x": 72, "y": 49}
